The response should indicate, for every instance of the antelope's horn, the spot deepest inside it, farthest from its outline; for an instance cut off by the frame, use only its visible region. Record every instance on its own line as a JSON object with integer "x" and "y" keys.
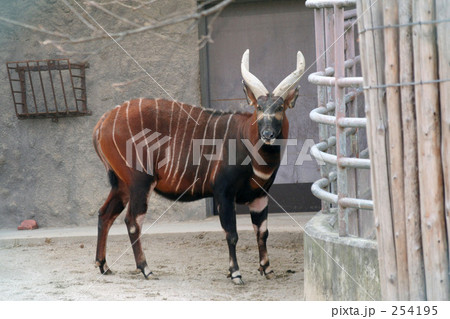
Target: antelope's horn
{"x": 292, "y": 79}
{"x": 250, "y": 80}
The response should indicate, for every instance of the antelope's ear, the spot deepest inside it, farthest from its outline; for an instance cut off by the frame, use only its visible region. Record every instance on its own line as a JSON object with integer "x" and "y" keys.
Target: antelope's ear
{"x": 251, "y": 99}
{"x": 291, "y": 98}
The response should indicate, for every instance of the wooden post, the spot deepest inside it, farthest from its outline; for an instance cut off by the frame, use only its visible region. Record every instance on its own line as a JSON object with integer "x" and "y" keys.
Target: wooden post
{"x": 434, "y": 237}
{"x": 390, "y": 17}
{"x": 372, "y": 48}
{"x": 411, "y": 182}
{"x": 443, "y": 30}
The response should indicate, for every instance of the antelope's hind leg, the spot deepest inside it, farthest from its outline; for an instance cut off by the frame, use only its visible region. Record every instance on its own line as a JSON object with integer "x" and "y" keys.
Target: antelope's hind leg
{"x": 258, "y": 212}
{"x": 139, "y": 194}
{"x": 107, "y": 214}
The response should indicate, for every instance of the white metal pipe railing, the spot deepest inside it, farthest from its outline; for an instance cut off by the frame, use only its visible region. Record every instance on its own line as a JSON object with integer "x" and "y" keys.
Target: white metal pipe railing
{"x": 337, "y": 112}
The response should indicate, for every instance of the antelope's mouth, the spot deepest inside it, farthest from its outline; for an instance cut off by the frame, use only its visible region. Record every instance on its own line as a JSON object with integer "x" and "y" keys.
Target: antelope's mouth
{"x": 269, "y": 141}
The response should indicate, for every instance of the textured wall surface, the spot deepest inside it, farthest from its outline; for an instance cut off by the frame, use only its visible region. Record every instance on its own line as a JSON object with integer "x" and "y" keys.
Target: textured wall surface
{"x": 339, "y": 268}
{"x": 49, "y": 170}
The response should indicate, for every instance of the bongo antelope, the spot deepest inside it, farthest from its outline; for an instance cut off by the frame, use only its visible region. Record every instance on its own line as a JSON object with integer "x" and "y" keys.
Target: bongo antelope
{"x": 173, "y": 127}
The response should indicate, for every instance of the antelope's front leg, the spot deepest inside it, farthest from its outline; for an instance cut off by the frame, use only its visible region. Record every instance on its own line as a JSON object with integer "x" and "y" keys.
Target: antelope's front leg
{"x": 258, "y": 212}
{"x": 227, "y": 216}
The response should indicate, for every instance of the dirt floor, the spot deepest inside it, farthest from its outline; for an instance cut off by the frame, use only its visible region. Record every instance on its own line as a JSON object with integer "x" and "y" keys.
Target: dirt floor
{"x": 188, "y": 266}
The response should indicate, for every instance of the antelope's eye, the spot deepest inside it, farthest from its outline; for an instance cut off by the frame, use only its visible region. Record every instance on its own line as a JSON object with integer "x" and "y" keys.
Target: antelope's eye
{"x": 259, "y": 108}
{"x": 280, "y": 108}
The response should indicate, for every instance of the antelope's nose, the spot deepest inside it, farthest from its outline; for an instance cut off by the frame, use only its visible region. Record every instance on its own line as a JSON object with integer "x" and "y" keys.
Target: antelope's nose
{"x": 268, "y": 134}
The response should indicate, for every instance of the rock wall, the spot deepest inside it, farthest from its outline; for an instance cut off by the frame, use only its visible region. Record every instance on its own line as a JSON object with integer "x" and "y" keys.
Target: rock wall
{"x": 49, "y": 170}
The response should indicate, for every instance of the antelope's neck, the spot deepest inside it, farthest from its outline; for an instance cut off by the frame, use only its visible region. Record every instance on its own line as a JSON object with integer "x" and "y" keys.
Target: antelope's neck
{"x": 268, "y": 161}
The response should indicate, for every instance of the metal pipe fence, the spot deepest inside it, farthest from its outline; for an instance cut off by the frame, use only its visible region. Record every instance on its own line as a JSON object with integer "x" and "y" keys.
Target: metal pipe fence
{"x": 342, "y": 150}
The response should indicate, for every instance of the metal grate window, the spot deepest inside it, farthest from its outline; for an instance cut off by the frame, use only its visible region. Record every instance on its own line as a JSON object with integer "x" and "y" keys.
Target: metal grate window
{"x": 48, "y": 88}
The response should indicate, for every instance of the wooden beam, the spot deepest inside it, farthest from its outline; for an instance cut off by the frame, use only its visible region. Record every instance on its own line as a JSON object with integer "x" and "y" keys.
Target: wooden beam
{"x": 434, "y": 237}
{"x": 372, "y": 48}
{"x": 443, "y": 31}
{"x": 411, "y": 179}
{"x": 390, "y": 17}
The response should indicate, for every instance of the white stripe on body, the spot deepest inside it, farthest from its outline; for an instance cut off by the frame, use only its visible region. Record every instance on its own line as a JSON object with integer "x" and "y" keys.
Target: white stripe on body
{"x": 140, "y": 113}
{"x": 202, "y": 146}
{"x": 221, "y": 150}
{"x": 209, "y": 162}
{"x": 132, "y": 138}
{"x": 99, "y": 147}
{"x": 182, "y": 143}
{"x": 156, "y": 129}
{"x": 175, "y": 139}
{"x": 189, "y": 152}
{"x": 114, "y": 139}
{"x": 170, "y": 135}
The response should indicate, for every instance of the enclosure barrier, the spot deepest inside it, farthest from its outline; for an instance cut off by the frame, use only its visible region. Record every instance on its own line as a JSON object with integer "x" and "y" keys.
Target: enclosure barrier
{"x": 337, "y": 114}
{"x": 340, "y": 249}
{"x": 405, "y": 54}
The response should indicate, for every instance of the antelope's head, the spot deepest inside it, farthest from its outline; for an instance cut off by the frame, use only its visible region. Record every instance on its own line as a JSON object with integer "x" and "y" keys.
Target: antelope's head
{"x": 270, "y": 107}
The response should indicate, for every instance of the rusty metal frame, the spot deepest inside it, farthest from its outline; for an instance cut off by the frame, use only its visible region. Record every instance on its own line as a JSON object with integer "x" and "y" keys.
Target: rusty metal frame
{"x": 338, "y": 89}
{"x": 52, "y": 105}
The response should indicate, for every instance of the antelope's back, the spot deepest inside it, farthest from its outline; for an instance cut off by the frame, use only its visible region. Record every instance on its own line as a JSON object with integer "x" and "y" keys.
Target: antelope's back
{"x": 167, "y": 139}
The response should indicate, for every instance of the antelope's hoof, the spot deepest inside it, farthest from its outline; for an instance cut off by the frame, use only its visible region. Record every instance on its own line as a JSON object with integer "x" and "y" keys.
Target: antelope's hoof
{"x": 266, "y": 271}
{"x": 106, "y": 272}
{"x": 148, "y": 274}
{"x": 236, "y": 278}
{"x": 104, "y": 269}
{"x": 270, "y": 274}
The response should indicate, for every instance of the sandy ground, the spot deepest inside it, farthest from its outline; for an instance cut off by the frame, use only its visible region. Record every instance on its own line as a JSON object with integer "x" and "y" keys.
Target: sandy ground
{"x": 188, "y": 266}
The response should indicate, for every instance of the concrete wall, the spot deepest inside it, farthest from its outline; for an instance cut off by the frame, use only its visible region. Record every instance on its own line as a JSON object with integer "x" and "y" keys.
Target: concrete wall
{"x": 339, "y": 268}
{"x": 49, "y": 171}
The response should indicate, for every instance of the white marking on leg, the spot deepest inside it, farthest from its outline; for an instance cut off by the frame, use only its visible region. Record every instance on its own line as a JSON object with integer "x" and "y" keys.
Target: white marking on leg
{"x": 261, "y": 175}
{"x": 236, "y": 274}
{"x": 258, "y": 204}
{"x": 209, "y": 162}
{"x": 132, "y": 229}
{"x": 263, "y": 227}
{"x": 140, "y": 220}
{"x": 202, "y": 145}
{"x": 189, "y": 152}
